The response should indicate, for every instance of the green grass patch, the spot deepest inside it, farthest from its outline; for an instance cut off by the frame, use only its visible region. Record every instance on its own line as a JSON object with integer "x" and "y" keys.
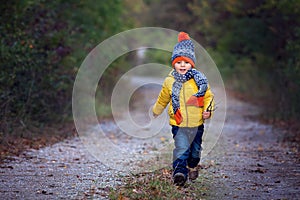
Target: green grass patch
{"x": 103, "y": 110}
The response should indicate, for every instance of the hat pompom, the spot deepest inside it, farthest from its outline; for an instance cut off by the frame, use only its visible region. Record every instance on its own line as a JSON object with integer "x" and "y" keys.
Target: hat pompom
{"x": 183, "y": 36}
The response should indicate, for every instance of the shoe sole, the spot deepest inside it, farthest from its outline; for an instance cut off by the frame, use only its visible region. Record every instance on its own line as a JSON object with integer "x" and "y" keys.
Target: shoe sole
{"x": 179, "y": 179}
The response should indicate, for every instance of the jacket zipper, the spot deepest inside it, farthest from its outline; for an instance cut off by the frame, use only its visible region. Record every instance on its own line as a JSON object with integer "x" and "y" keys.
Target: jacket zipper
{"x": 186, "y": 112}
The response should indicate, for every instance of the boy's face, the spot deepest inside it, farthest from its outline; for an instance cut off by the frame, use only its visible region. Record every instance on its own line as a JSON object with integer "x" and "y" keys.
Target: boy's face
{"x": 182, "y": 66}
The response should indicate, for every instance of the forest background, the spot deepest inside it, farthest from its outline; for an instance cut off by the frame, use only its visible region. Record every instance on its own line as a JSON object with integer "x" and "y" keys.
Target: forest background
{"x": 255, "y": 44}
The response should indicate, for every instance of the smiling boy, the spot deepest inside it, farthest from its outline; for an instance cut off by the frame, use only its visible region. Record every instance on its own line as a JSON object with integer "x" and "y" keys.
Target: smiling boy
{"x": 189, "y": 95}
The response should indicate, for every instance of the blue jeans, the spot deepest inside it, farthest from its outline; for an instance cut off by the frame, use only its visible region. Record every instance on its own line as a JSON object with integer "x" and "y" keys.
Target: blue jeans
{"x": 187, "y": 148}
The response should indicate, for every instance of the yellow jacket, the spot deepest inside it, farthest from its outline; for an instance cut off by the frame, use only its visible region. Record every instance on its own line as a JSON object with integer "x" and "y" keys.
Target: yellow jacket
{"x": 192, "y": 115}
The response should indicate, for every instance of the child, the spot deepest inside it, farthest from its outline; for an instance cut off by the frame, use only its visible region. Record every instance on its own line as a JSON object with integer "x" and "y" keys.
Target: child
{"x": 191, "y": 100}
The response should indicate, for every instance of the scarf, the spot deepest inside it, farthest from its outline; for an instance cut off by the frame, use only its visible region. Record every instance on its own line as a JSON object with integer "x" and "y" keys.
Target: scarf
{"x": 196, "y": 99}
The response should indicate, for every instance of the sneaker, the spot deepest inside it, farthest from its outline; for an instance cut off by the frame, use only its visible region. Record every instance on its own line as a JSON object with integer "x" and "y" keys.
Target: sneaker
{"x": 193, "y": 173}
{"x": 179, "y": 179}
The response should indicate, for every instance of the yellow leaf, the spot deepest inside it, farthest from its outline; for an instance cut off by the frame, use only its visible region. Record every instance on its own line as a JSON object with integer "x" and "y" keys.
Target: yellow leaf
{"x": 260, "y": 148}
{"x": 163, "y": 139}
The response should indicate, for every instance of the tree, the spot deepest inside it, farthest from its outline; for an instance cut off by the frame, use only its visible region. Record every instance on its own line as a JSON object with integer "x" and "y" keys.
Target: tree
{"x": 254, "y": 43}
{"x": 42, "y": 45}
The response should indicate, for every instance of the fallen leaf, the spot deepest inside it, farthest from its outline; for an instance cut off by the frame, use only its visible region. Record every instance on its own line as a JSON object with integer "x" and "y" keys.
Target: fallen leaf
{"x": 260, "y": 148}
{"x": 277, "y": 181}
{"x": 9, "y": 167}
{"x": 259, "y": 170}
{"x": 259, "y": 165}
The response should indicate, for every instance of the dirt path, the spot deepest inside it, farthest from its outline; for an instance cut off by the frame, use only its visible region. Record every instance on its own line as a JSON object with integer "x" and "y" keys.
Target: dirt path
{"x": 250, "y": 161}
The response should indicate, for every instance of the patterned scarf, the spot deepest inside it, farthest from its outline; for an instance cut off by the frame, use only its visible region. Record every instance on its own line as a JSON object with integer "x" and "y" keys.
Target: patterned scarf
{"x": 196, "y": 99}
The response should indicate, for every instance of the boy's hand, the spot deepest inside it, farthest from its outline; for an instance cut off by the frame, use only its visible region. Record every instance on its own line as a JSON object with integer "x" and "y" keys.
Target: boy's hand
{"x": 206, "y": 115}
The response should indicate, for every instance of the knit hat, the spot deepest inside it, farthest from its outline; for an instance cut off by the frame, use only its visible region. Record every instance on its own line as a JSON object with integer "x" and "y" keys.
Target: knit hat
{"x": 184, "y": 50}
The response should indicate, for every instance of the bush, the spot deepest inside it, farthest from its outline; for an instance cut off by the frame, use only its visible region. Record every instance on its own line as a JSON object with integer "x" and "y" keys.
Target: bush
{"x": 42, "y": 46}
{"x": 33, "y": 84}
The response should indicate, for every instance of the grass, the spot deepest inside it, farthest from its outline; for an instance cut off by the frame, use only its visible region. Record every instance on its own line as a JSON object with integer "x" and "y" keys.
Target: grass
{"x": 158, "y": 185}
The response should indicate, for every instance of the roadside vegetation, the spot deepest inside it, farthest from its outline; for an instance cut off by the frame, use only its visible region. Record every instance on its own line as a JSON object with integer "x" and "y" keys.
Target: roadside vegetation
{"x": 43, "y": 44}
{"x": 159, "y": 185}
